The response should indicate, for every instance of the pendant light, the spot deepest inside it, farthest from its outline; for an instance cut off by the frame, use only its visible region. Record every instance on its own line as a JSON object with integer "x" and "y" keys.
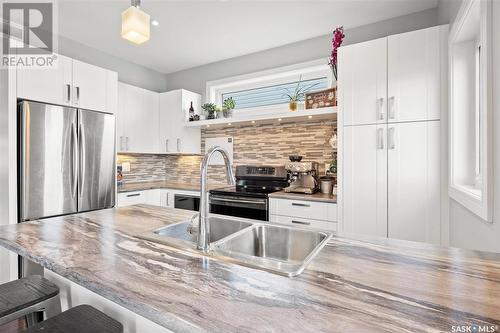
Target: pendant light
{"x": 135, "y": 24}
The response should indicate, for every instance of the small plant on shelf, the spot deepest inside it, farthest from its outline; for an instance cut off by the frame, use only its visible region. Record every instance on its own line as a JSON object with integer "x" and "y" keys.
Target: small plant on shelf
{"x": 298, "y": 94}
{"x": 228, "y": 107}
{"x": 218, "y": 112}
{"x": 210, "y": 109}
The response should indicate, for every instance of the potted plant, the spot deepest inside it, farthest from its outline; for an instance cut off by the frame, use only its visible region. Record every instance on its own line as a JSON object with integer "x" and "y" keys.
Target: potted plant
{"x": 210, "y": 109}
{"x": 218, "y": 112}
{"x": 297, "y": 95}
{"x": 228, "y": 107}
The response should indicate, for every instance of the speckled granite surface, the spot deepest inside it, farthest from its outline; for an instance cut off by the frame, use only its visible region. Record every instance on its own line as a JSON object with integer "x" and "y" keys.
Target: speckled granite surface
{"x": 353, "y": 285}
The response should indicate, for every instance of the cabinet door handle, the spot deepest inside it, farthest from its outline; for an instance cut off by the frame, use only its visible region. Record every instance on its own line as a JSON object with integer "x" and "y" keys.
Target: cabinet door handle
{"x": 121, "y": 143}
{"x": 133, "y": 195}
{"x": 300, "y": 204}
{"x": 380, "y": 106}
{"x": 126, "y": 143}
{"x": 77, "y": 93}
{"x": 178, "y": 145}
{"x": 68, "y": 93}
{"x": 168, "y": 201}
{"x": 380, "y": 138}
{"x": 392, "y": 107}
{"x": 392, "y": 143}
{"x": 301, "y": 222}
{"x": 166, "y": 145}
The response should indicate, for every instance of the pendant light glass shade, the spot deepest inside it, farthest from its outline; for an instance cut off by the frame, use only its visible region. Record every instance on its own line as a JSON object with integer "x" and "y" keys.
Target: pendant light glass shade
{"x": 135, "y": 25}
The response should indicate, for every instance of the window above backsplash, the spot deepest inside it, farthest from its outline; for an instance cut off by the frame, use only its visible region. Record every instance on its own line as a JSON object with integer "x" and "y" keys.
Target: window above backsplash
{"x": 265, "y": 92}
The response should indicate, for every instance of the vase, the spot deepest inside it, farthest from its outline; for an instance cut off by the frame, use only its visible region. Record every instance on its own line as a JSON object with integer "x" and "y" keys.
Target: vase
{"x": 292, "y": 106}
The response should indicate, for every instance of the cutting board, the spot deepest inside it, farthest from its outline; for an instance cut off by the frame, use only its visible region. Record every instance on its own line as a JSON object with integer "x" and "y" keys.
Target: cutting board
{"x": 225, "y": 142}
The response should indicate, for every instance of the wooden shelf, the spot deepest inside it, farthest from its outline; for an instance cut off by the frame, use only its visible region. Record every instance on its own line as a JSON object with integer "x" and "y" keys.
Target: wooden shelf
{"x": 329, "y": 113}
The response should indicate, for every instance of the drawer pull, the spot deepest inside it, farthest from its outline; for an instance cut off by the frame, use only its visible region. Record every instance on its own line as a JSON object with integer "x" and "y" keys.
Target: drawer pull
{"x": 301, "y": 222}
{"x": 300, "y": 204}
{"x": 133, "y": 195}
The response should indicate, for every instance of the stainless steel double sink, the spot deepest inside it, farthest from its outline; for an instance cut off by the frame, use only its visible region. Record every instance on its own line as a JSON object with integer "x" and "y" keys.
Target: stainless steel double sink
{"x": 279, "y": 249}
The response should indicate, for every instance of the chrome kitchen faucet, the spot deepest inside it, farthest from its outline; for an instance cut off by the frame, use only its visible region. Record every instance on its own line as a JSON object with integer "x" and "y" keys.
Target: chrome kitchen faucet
{"x": 203, "y": 221}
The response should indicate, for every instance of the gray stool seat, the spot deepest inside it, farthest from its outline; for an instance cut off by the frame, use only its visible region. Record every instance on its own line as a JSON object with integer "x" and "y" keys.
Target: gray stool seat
{"x": 26, "y": 295}
{"x": 80, "y": 319}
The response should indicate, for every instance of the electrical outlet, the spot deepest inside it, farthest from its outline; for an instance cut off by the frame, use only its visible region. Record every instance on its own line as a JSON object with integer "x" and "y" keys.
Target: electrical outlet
{"x": 126, "y": 166}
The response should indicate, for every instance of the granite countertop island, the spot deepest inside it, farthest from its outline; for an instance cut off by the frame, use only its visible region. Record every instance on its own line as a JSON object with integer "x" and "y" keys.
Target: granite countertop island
{"x": 354, "y": 284}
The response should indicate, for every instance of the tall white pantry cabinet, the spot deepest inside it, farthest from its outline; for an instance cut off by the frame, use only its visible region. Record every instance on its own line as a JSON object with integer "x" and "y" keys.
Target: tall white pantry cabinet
{"x": 392, "y": 96}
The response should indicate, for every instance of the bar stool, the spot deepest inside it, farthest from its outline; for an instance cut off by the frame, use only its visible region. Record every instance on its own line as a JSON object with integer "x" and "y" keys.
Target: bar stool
{"x": 80, "y": 319}
{"x": 26, "y": 296}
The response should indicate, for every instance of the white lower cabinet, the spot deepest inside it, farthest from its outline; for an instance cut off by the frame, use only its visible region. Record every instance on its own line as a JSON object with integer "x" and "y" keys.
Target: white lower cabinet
{"x": 131, "y": 198}
{"x": 155, "y": 197}
{"x": 413, "y": 168}
{"x": 303, "y": 222}
{"x": 364, "y": 180}
{"x": 150, "y": 197}
{"x": 304, "y": 214}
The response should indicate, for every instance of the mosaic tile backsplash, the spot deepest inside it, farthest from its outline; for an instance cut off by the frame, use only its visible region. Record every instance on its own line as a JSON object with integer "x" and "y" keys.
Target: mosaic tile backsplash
{"x": 255, "y": 145}
{"x": 143, "y": 167}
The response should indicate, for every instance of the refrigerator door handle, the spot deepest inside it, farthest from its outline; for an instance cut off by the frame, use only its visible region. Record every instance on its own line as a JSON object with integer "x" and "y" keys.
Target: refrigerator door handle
{"x": 74, "y": 159}
{"x": 82, "y": 158}
{"x": 25, "y": 152}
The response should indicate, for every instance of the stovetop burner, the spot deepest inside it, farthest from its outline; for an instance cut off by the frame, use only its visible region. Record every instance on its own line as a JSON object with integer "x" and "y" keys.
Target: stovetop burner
{"x": 255, "y": 181}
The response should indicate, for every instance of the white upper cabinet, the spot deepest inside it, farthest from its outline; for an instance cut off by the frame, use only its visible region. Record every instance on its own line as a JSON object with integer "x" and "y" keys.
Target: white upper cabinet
{"x": 414, "y": 169}
{"x": 89, "y": 86}
{"x": 137, "y": 119}
{"x": 363, "y": 73}
{"x": 364, "y": 179}
{"x": 175, "y": 137}
{"x": 416, "y": 67}
{"x": 47, "y": 85}
{"x": 71, "y": 83}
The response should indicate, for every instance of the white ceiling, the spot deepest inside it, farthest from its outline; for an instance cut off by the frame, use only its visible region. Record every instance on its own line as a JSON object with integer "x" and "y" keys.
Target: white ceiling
{"x": 197, "y": 32}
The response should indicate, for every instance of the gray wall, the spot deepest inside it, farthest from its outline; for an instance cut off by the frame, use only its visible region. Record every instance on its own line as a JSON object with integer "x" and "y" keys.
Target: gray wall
{"x": 128, "y": 72}
{"x": 447, "y": 10}
{"x": 194, "y": 79}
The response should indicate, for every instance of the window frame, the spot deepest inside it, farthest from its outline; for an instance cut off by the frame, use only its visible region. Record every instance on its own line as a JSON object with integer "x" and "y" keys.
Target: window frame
{"x": 478, "y": 197}
{"x": 309, "y": 70}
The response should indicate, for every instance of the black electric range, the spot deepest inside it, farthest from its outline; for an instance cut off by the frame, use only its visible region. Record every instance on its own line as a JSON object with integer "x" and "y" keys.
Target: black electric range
{"x": 249, "y": 197}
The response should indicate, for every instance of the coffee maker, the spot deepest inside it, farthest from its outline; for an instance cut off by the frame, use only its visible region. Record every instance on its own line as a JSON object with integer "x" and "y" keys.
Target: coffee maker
{"x": 303, "y": 177}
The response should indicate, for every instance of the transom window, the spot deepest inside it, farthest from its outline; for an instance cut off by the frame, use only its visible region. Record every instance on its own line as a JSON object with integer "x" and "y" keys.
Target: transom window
{"x": 272, "y": 95}
{"x": 265, "y": 92}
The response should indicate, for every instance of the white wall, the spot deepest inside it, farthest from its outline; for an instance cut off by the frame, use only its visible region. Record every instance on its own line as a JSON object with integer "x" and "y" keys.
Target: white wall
{"x": 4, "y": 170}
{"x": 466, "y": 229}
{"x": 128, "y": 72}
{"x": 194, "y": 79}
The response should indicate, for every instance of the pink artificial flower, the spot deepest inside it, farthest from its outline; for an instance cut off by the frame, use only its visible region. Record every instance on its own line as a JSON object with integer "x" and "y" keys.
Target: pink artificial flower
{"x": 338, "y": 38}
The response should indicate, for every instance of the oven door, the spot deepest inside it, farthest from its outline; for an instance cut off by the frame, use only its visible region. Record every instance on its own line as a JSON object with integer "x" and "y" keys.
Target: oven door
{"x": 250, "y": 208}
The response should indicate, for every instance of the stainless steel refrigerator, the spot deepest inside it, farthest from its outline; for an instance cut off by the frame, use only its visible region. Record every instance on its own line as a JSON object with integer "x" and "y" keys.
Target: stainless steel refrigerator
{"x": 66, "y": 160}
